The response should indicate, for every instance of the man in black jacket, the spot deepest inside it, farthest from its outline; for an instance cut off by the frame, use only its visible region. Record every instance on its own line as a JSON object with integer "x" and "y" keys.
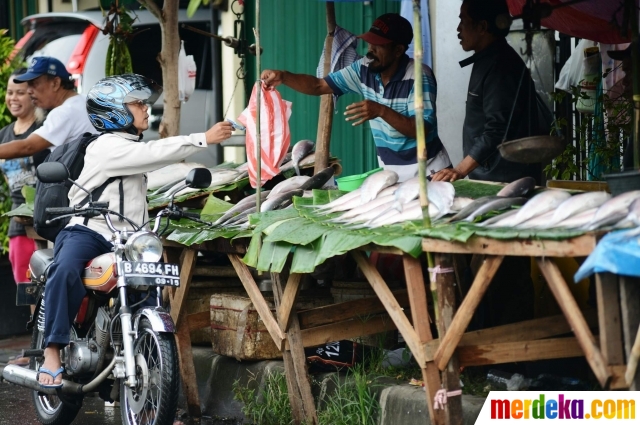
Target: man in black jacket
{"x": 493, "y": 90}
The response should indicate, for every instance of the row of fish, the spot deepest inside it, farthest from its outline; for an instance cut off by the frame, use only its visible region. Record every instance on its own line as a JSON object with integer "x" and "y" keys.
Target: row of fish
{"x": 164, "y": 181}
{"x": 381, "y": 201}
{"x": 279, "y": 197}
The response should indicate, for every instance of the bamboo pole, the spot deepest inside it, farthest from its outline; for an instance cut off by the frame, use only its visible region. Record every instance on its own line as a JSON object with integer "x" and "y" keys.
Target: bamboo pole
{"x": 420, "y": 137}
{"x": 256, "y": 32}
{"x": 635, "y": 60}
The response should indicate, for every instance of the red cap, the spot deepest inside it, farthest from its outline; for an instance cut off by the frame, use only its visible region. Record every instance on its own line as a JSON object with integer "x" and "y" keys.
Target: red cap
{"x": 388, "y": 28}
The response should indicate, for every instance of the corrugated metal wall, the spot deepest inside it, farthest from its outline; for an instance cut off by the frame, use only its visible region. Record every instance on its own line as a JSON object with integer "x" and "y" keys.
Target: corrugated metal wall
{"x": 292, "y": 34}
{"x": 12, "y": 11}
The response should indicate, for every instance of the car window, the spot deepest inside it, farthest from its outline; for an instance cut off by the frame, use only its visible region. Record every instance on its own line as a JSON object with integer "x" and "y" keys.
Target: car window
{"x": 146, "y": 44}
{"x": 57, "y": 40}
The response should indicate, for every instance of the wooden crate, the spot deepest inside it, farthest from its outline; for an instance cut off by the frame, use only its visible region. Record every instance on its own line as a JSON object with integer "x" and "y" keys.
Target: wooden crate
{"x": 237, "y": 330}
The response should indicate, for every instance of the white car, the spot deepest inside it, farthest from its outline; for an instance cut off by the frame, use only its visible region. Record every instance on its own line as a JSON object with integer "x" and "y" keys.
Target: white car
{"x": 76, "y": 39}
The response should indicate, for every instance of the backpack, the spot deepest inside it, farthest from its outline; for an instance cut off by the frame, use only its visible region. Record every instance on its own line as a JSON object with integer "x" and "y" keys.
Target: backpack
{"x": 57, "y": 194}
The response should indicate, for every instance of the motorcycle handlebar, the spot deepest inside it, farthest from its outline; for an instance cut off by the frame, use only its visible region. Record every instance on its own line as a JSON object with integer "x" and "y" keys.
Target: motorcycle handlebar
{"x": 60, "y": 210}
{"x": 193, "y": 216}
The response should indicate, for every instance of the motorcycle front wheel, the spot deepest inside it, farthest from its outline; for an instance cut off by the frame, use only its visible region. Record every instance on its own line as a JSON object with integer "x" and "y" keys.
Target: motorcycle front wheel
{"x": 155, "y": 399}
{"x": 49, "y": 408}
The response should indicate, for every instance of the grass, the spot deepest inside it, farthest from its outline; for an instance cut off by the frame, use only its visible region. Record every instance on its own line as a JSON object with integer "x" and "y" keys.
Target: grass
{"x": 267, "y": 407}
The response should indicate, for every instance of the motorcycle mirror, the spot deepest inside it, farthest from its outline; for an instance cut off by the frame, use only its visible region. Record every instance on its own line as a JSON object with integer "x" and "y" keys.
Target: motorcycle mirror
{"x": 52, "y": 172}
{"x": 198, "y": 178}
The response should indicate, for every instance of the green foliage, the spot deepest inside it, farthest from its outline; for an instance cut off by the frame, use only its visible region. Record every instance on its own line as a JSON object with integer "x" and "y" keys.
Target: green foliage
{"x": 119, "y": 27}
{"x": 7, "y": 65}
{"x": 268, "y": 407}
{"x": 603, "y": 140}
{"x": 194, "y": 5}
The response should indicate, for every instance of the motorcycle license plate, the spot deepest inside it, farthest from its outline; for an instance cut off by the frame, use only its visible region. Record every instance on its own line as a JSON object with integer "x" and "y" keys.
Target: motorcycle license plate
{"x": 138, "y": 273}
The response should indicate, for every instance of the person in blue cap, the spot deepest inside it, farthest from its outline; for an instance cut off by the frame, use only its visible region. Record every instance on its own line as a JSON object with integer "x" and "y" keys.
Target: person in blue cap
{"x": 50, "y": 87}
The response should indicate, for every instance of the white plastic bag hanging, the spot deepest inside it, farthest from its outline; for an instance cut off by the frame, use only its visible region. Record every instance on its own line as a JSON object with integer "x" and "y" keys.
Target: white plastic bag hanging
{"x": 186, "y": 74}
{"x": 275, "y": 136}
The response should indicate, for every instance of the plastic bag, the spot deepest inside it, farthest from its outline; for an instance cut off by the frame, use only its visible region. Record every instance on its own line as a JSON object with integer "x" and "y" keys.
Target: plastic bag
{"x": 574, "y": 70}
{"x": 275, "y": 136}
{"x": 186, "y": 74}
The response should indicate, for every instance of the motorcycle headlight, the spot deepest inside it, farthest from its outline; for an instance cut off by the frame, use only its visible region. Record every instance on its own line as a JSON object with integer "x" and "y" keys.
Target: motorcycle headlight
{"x": 143, "y": 246}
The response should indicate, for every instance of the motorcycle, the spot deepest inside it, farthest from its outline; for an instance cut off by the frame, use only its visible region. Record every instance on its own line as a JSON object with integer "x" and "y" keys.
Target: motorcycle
{"x": 120, "y": 347}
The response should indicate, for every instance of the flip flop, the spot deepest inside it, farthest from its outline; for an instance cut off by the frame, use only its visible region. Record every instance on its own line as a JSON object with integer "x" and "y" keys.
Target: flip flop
{"x": 54, "y": 375}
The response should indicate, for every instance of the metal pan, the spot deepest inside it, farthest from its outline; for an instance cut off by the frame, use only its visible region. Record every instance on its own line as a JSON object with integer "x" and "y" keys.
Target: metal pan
{"x": 532, "y": 149}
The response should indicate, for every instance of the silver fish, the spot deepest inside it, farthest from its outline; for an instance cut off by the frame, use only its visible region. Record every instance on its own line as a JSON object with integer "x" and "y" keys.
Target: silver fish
{"x": 218, "y": 178}
{"x": 299, "y": 151}
{"x": 244, "y": 204}
{"x": 411, "y": 212}
{"x": 614, "y": 210}
{"x": 373, "y": 184}
{"x": 538, "y": 222}
{"x": 366, "y": 216}
{"x": 167, "y": 186}
{"x": 239, "y": 218}
{"x": 469, "y": 209}
{"x": 540, "y": 204}
{"x": 170, "y": 173}
{"x": 341, "y": 200}
{"x": 276, "y": 201}
{"x": 310, "y": 159}
{"x": 576, "y": 204}
{"x": 495, "y": 205}
{"x": 355, "y": 202}
{"x": 634, "y": 212}
{"x": 288, "y": 184}
{"x": 491, "y": 221}
{"x": 519, "y": 187}
{"x": 459, "y": 203}
{"x": 369, "y": 206}
{"x": 441, "y": 194}
{"x": 577, "y": 220}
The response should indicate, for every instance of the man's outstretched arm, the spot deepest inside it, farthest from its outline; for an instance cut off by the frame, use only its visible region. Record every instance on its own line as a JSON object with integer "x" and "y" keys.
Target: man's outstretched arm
{"x": 23, "y": 148}
{"x": 307, "y": 84}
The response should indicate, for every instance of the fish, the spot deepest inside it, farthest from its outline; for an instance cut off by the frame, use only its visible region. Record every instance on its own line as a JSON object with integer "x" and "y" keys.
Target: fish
{"x": 310, "y": 159}
{"x": 614, "y": 210}
{"x": 411, "y": 212}
{"x": 495, "y": 205}
{"x": 299, "y": 151}
{"x": 244, "y": 204}
{"x": 234, "y": 220}
{"x": 355, "y": 202}
{"x": 469, "y": 209}
{"x": 459, "y": 203}
{"x": 219, "y": 178}
{"x": 318, "y": 179}
{"x": 167, "y": 186}
{"x": 577, "y": 220}
{"x": 576, "y": 204}
{"x": 369, "y": 206}
{"x": 540, "y": 204}
{"x": 276, "y": 201}
{"x": 170, "y": 173}
{"x": 538, "y": 222}
{"x": 373, "y": 184}
{"x": 441, "y": 194}
{"x": 490, "y": 221}
{"x": 634, "y": 212}
{"x": 337, "y": 202}
{"x": 518, "y": 188}
{"x": 288, "y": 184}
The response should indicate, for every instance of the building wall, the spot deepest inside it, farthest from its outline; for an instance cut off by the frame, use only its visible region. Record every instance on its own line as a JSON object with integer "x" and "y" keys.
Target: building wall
{"x": 66, "y": 5}
{"x": 452, "y": 80}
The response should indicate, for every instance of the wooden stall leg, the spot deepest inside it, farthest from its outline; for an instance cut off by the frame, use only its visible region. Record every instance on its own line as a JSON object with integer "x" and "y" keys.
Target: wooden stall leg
{"x": 610, "y": 330}
{"x": 183, "y": 337}
{"x": 630, "y": 312}
{"x": 572, "y": 312}
{"x": 303, "y": 408}
{"x": 445, "y": 283}
{"x": 420, "y": 316}
{"x": 465, "y": 312}
{"x": 258, "y": 300}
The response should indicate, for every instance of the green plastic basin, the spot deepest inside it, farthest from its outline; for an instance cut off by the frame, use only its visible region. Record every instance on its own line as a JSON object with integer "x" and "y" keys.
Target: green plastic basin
{"x": 350, "y": 183}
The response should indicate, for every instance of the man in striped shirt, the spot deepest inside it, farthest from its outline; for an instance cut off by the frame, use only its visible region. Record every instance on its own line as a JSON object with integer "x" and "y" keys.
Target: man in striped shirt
{"x": 385, "y": 78}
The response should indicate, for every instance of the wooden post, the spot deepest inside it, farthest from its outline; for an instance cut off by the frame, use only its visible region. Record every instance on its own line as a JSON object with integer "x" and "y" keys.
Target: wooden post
{"x": 420, "y": 316}
{"x": 325, "y": 120}
{"x": 446, "y": 284}
{"x": 303, "y": 408}
{"x": 465, "y": 312}
{"x": 183, "y": 333}
{"x": 630, "y": 312}
{"x": 571, "y": 311}
{"x": 610, "y": 328}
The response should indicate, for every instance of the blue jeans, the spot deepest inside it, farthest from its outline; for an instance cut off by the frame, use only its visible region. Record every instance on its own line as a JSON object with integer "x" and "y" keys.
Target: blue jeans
{"x": 74, "y": 247}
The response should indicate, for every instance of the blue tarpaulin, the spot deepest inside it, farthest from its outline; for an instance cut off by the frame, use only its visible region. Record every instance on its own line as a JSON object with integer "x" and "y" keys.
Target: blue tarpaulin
{"x": 617, "y": 252}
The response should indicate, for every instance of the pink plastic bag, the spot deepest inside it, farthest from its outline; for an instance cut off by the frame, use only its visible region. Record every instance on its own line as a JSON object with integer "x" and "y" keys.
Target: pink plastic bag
{"x": 275, "y": 136}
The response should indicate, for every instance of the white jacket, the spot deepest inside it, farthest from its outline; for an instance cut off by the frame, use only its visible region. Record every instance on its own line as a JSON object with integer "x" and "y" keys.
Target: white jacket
{"x": 121, "y": 154}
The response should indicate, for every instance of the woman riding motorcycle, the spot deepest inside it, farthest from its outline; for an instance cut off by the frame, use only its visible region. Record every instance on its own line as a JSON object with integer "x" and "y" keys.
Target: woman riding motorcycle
{"x": 118, "y": 106}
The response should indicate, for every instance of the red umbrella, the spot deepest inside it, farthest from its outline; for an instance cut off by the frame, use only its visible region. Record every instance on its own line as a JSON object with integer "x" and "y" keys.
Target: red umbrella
{"x": 597, "y": 20}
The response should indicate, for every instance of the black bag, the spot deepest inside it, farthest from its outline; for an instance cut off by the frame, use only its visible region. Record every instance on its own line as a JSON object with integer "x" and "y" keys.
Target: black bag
{"x": 57, "y": 194}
